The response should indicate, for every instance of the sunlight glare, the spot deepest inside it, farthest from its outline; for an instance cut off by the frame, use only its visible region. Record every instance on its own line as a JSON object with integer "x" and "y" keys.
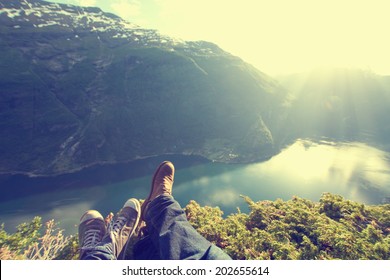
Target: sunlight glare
{"x": 287, "y": 36}
{"x": 340, "y": 163}
{"x": 277, "y": 37}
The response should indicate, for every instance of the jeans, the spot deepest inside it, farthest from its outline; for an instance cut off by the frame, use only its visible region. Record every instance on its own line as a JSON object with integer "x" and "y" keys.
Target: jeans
{"x": 171, "y": 237}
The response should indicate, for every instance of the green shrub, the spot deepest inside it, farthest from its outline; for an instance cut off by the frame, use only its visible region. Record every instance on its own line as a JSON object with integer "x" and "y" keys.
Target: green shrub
{"x": 28, "y": 242}
{"x": 333, "y": 228}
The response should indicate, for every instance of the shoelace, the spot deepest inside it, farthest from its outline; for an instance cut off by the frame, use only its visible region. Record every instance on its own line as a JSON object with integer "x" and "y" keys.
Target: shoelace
{"x": 119, "y": 223}
{"x": 91, "y": 238}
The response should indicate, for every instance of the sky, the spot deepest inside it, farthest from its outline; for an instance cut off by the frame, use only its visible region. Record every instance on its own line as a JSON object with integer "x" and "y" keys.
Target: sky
{"x": 276, "y": 36}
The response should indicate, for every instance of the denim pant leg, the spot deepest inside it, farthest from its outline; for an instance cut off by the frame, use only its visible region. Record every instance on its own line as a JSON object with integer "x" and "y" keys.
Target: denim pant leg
{"x": 146, "y": 249}
{"x": 173, "y": 235}
{"x": 103, "y": 251}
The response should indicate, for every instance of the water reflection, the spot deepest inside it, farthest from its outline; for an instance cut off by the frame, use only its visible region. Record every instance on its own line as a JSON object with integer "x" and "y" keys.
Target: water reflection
{"x": 344, "y": 165}
{"x": 306, "y": 168}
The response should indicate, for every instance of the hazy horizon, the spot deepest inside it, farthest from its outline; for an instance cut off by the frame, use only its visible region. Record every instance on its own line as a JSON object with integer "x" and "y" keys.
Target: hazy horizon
{"x": 278, "y": 38}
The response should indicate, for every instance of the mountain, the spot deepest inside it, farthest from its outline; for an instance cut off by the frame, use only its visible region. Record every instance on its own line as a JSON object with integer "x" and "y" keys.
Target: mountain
{"x": 81, "y": 87}
{"x": 340, "y": 103}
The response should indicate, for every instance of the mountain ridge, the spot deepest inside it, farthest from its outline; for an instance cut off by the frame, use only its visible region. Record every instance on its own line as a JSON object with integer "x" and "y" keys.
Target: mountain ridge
{"x": 83, "y": 87}
{"x": 340, "y": 103}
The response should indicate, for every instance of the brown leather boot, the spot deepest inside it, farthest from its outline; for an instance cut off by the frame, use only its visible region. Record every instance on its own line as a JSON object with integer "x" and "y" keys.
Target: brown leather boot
{"x": 161, "y": 184}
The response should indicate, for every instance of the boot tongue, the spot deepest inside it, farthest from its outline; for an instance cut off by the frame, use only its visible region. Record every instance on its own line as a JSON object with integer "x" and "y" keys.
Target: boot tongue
{"x": 166, "y": 184}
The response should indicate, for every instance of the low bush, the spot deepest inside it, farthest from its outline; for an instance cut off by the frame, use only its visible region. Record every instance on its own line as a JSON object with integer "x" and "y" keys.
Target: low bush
{"x": 333, "y": 228}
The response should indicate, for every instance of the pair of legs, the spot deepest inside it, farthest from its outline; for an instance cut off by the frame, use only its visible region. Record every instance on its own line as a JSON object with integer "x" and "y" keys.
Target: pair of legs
{"x": 168, "y": 234}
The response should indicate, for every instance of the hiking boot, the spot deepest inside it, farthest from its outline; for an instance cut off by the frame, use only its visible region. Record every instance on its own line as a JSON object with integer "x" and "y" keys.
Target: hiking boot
{"x": 161, "y": 184}
{"x": 123, "y": 226}
{"x": 92, "y": 229}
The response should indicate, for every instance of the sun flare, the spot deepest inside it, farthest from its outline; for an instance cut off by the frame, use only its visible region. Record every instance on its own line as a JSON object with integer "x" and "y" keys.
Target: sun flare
{"x": 278, "y": 37}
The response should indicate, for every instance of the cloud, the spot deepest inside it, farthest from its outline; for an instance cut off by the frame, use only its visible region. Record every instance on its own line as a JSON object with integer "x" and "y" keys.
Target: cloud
{"x": 126, "y": 8}
{"x": 224, "y": 197}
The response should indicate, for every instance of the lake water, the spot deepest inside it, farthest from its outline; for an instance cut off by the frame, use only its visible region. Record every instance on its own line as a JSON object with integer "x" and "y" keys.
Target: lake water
{"x": 306, "y": 168}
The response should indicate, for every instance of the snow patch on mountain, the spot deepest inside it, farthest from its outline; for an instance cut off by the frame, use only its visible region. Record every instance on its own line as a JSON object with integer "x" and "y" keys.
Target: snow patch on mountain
{"x": 24, "y": 14}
